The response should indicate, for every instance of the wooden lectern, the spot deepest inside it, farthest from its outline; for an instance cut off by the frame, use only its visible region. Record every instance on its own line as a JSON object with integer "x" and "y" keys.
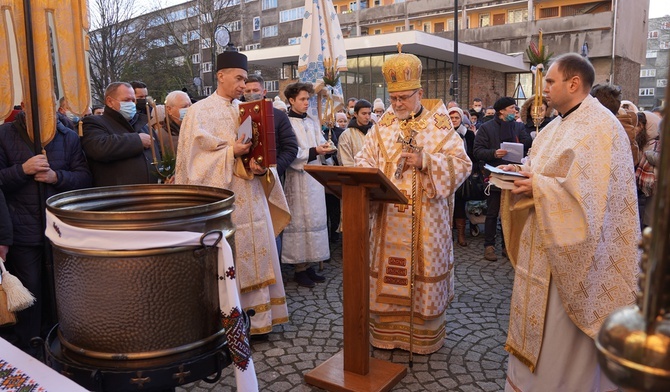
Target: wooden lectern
{"x": 352, "y": 369}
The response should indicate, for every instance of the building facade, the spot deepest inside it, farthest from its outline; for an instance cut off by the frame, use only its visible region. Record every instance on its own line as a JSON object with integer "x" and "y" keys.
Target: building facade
{"x": 655, "y": 72}
{"x": 611, "y": 33}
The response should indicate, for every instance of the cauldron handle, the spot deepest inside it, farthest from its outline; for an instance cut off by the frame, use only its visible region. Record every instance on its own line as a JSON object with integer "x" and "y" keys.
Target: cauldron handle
{"x": 204, "y": 237}
{"x": 219, "y": 359}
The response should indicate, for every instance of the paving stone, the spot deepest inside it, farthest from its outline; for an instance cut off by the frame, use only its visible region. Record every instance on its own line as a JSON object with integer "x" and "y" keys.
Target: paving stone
{"x": 471, "y": 359}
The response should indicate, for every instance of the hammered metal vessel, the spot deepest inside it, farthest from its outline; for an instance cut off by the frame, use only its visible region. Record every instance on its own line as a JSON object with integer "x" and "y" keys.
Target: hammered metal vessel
{"x": 140, "y": 304}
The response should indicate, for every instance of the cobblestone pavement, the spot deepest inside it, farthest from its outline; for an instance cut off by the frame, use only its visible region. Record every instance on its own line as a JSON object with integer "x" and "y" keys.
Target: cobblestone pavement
{"x": 472, "y": 358}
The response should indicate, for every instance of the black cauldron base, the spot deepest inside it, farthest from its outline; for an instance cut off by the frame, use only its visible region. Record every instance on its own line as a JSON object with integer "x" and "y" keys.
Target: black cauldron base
{"x": 158, "y": 374}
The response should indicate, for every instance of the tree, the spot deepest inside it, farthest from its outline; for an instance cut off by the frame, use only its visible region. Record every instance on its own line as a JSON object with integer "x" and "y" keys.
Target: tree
{"x": 114, "y": 41}
{"x": 190, "y": 29}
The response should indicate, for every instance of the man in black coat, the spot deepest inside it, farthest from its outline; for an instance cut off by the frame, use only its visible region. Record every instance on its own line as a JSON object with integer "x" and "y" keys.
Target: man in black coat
{"x": 117, "y": 144}
{"x": 59, "y": 167}
{"x": 502, "y": 128}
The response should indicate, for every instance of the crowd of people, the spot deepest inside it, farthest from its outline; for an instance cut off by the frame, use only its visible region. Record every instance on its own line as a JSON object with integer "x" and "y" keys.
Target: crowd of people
{"x": 584, "y": 151}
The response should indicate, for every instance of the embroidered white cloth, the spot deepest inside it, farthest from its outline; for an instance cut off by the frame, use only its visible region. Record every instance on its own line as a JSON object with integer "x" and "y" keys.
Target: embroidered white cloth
{"x": 68, "y": 236}
{"x": 19, "y": 371}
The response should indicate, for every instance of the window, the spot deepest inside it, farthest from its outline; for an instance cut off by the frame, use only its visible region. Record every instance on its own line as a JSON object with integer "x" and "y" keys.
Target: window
{"x": 550, "y": 12}
{"x": 207, "y": 90}
{"x": 652, "y": 34}
{"x": 270, "y": 31}
{"x": 267, "y": 4}
{"x": 272, "y": 85}
{"x": 195, "y": 58}
{"x": 484, "y": 20}
{"x": 450, "y": 24}
{"x": 517, "y": 16}
{"x": 646, "y": 92}
{"x": 651, "y": 54}
{"x": 179, "y": 61}
{"x": 662, "y": 83}
{"x": 252, "y": 46}
{"x": 234, "y": 25}
{"x": 206, "y": 66}
{"x": 439, "y": 27}
{"x": 665, "y": 26}
{"x": 206, "y": 18}
{"x": 193, "y": 35}
{"x": 184, "y": 38}
{"x": 157, "y": 43}
{"x": 646, "y": 73}
{"x": 294, "y": 41}
{"x": 664, "y": 45}
{"x": 228, "y": 3}
{"x": 206, "y": 43}
{"x": 426, "y": 27}
{"x": 257, "y": 23}
{"x": 399, "y": 28}
{"x": 292, "y": 14}
{"x": 353, "y": 6}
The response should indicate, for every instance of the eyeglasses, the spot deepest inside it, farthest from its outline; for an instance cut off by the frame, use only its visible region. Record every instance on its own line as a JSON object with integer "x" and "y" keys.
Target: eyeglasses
{"x": 402, "y": 99}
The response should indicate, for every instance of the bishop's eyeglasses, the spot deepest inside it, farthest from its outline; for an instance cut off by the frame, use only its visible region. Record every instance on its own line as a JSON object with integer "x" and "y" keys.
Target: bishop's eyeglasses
{"x": 403, "y": 98}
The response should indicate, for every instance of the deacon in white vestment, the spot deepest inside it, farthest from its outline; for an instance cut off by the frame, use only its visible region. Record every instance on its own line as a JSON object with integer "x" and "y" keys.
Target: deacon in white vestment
{"x": 412, "y": 260}
{"x": 306, "y": 237}
{"x": 571, "y": 231}
{"x": 209, "y": 154}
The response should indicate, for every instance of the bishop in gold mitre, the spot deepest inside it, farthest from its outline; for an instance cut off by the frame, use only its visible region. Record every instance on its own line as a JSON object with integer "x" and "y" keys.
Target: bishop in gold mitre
{"x": 412, "y": 260}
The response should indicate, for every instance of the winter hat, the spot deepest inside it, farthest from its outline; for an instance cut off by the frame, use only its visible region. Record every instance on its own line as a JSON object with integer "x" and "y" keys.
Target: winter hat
{"x": 502, "y": 103}
{"x": 378, "y": 104}
{"x": 279, "y": 104}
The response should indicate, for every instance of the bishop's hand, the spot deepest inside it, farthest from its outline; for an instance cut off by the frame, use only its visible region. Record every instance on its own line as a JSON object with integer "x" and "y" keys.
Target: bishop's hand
{"x": 413, "y": 159}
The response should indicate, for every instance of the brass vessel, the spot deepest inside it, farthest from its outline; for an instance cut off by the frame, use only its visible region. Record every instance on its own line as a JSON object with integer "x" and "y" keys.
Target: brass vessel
{"x": 634, "y": 342}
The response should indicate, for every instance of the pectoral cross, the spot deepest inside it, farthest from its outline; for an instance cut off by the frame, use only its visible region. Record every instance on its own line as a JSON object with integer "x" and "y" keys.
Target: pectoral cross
{"x": 408, "y": 145}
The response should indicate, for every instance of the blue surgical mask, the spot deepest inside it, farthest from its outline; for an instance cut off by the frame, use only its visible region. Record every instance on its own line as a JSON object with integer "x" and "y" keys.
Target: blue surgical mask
{"x": 128, "y": 110}
{"x": 510, "y": 117}
{"x": 182, "y": 113}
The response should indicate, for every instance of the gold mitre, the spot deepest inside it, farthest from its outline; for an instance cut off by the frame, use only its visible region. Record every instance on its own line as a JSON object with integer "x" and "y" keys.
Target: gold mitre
{"x": 402, "y": 72}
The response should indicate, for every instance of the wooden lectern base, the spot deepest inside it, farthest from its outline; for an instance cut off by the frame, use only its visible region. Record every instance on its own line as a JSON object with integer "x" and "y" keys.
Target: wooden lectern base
{"x": 331, "y": 376}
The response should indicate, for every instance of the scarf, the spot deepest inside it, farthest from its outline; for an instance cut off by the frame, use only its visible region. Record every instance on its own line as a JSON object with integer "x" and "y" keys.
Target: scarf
{"x": 644, "y": 174}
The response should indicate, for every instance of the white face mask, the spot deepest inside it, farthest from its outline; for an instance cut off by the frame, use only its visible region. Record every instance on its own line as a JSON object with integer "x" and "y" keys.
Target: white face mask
{"x": 182, "y": 113}
{"x": 351, "y": 111}
{"x": 478, "y": 109}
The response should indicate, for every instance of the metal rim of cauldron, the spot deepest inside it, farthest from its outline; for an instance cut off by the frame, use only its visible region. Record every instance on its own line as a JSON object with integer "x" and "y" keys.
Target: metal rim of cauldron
{"x": 142, "y": 355}
{"x": 67, "y": 206}
{"x": 135, "y": 253}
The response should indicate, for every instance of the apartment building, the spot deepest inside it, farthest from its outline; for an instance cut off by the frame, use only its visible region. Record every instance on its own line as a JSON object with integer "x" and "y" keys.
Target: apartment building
{"x": 492, "y": 37}
{"x": 655, "y": 72}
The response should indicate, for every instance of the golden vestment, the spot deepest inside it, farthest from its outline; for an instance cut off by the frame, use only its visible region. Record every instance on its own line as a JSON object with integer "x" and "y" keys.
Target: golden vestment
{"x": 446, "y": 165}
{"x": 205, "y": 157}
{"x": 578, "y": 232}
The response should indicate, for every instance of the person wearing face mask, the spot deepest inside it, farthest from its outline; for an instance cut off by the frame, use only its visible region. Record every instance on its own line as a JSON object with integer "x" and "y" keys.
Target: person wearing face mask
{"x": 117, "y": 144}
{"x": 176, "y": 105}
{"x": 412, "y": 239}
{"x": 502, "y": 128}
{"x": 141, "y": 94}
{"x": 65, "y": 115}
{"x": 351, "y": 102}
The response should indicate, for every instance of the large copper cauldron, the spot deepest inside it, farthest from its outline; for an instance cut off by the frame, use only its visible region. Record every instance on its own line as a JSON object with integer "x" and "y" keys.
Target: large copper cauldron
{"x": 140, "y": 304}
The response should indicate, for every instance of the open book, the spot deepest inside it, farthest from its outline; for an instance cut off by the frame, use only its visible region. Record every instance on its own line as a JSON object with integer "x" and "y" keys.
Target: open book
{"x": 503, "y": 179}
